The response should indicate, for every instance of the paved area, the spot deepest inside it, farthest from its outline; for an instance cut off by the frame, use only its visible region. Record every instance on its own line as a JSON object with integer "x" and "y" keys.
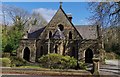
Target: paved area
{"x": 22, "y": 75}
{"x": 112, "y": 67}
{"x": 37, "y": 76}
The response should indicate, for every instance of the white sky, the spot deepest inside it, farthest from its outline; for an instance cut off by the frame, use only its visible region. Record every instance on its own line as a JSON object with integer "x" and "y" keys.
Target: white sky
{"x": 46, "y": 13}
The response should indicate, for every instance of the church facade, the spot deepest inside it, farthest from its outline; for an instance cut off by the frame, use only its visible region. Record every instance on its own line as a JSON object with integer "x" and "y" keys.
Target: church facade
{"x": 62, "y": 37}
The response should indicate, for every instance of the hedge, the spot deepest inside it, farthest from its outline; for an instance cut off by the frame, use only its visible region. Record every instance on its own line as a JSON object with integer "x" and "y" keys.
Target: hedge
{"x": 16, "y": 61}
{"x": 57, "y": 61}
{"x": 6, "y": 62}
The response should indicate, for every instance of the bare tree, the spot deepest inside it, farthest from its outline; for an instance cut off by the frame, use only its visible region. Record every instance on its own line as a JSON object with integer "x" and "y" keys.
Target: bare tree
{"x": 105, "y": 13}
{"x": 36, "y": 21}
{"x": 21, "y": 18}
{"x": 15, "y": 15}
{"x": 39, "y": 20}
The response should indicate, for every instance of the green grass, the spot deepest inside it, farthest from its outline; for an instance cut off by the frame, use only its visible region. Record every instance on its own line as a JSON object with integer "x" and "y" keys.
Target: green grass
{"x": 30, "y": 67}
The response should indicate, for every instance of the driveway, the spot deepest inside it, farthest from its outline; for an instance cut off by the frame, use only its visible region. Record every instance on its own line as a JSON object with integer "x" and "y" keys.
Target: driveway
{"x": 112, "y": 67}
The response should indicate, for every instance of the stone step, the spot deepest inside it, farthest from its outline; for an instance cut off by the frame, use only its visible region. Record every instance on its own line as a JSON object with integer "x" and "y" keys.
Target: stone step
{"x": 89, "y": 66}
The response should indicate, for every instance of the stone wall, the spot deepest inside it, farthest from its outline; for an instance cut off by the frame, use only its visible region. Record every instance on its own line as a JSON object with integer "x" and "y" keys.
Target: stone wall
{"x": 87, "y": 44}
{"x": 53, "y": 25}
{"x": 31, "y": 44}
{"x": 75, "y": 48}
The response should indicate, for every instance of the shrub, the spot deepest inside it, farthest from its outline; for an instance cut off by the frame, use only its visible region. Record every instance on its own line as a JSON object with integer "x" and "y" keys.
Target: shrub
{"x": 8, "y": 48}
{"x": 6, "y": 54}
{"x": 117, "y": 56}
{"x": 82, "y": 65}
{"x": 6, "y": 62}
{"x": 57, "y": 61}
{"x": 13, "y": 53}
{"x": 110, "y": 55}
{"x": 16, "y": 61}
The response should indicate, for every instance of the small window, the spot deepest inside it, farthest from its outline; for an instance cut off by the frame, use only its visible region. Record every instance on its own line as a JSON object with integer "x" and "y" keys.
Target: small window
{"x": 64, "y": 50}
{"x": 41, "y": 50}
{"x": 61, "y": 27}
{"x": 50, "y": 34}
{"x": 55, "y": 48}
{"x": 70, "y": 35}
{"x": 73, "y": 52}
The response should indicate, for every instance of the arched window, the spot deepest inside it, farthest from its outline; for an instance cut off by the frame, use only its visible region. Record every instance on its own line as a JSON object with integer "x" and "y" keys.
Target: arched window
{"x": 70, "y": 35}
{"x": 61, "y": 27}
{"x": 26, "y": 54}
{"x": 50, "y": 34}
{"x": 55, "y": 48}
{"x": 41, "y": 50}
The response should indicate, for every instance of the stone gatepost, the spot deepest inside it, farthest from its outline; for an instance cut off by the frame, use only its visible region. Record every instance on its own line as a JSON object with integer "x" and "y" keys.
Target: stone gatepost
{"x": 96, "y": 66}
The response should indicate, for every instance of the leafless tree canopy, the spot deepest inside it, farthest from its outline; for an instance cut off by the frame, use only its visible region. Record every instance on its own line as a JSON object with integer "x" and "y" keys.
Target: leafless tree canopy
{"x": 14, "y": 14}
{"x": 105, "y": 13}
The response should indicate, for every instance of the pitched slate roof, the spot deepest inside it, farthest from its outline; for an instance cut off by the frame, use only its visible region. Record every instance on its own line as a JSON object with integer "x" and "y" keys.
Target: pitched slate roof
{"x": 87, "y": 31}
{"x": 35, "y": 33}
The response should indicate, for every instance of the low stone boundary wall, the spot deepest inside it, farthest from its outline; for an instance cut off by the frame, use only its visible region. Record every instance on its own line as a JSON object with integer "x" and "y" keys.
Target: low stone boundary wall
{"x": 46, "y": 72}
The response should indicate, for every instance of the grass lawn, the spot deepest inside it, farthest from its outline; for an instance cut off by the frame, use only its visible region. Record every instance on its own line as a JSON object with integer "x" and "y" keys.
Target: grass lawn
{"x": 30, "y": 67}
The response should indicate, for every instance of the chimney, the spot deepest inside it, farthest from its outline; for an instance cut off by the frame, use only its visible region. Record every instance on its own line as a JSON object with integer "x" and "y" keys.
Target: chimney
{"x": 69, "y": 17}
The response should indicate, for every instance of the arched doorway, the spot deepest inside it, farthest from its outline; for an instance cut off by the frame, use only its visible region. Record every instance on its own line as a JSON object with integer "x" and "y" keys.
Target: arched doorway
{"x": 26, "y": 54}
{"x": 88, "y": 56}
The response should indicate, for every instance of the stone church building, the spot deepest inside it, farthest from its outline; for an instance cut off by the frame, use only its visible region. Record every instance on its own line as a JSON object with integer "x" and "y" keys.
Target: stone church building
{"x": 61, "y": 36}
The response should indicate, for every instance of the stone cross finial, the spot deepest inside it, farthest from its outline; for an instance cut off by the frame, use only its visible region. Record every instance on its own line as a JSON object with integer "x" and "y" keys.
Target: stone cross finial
{"x": 60, "y": 4}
